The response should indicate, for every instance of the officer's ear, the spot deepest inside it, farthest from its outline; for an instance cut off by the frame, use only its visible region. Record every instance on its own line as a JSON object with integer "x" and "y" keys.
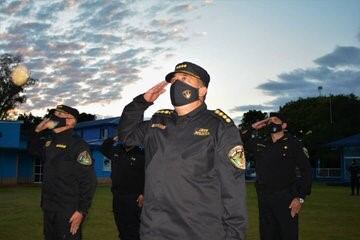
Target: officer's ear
{"x": 202, "y": 91}
{"x": 284, "y": 125}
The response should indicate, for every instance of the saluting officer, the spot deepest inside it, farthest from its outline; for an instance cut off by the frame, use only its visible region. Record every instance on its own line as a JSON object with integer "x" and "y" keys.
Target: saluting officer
{"x": 278, "y": 157}
{"x": 127, "y": 186}
{"x": 68, "y": 179}
{"x": 194, "y": 162}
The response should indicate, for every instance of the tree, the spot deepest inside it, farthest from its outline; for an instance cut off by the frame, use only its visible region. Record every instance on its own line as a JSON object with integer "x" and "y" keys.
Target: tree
{"x": 83, "y": 117}
{"x": 251, "y": 117}
{"x": 10, "y": 95}
{"x": 323, "y": 119}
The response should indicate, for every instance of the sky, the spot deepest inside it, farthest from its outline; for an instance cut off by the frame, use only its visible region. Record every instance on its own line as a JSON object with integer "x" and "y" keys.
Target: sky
{"x": 98, "y": 55}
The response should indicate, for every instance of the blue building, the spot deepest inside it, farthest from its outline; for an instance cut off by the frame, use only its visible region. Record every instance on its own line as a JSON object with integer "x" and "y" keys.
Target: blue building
{"x": 94, "y": 133}
{"x": 349, "y": 150}
{"x": 17, "y": 166}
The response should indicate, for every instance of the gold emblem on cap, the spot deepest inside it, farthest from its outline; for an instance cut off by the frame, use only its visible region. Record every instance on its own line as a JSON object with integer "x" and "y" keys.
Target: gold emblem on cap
{"x": 180, "y": 66}
{"x": 186, "y": 94}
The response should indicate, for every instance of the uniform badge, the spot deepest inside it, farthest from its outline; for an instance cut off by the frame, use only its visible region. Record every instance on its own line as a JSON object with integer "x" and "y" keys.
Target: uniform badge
{"x": 47, "y": 143}
{"x": 158, "y": 125}
{"x": 237, "y": 157}
{"x": 186, "y": 94}
{"x": 60, "y": 146}
{"x": 306, "y": 152}
{"x": 84, "y": 158}
{"x": 201, "y": 132}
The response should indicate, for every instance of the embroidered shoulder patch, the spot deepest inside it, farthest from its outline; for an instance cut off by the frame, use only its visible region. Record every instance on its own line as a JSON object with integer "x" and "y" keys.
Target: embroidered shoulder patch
{"x": 237, "y": 157}
{"x": 220, "y": 114}
{"x": 84, "y": 158}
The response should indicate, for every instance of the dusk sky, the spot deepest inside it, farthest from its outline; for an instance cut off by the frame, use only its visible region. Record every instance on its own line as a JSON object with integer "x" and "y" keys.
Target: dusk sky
{"x": 98, "y": 55}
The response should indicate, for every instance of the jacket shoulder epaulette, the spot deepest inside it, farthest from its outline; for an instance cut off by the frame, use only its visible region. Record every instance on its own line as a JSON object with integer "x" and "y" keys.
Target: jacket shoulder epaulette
{"x": 164, "y": 112}
{"x": 218, "y": 113}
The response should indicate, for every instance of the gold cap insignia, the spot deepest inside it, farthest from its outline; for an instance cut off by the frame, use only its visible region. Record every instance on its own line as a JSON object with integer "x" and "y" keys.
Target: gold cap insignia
{"x": 237, "y": 157}
{"x": 84, "y": 158}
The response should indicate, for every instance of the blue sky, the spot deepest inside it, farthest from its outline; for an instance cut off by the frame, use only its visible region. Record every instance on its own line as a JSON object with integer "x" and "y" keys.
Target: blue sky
{"x": 98, "y": 55}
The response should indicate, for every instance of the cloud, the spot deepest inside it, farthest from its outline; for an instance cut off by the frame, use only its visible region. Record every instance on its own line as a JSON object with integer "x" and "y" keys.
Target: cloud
{"x": 337, "y": 72}
{"x": 245, "y": 108}
{"x": 341, "y": 56}
{"x": 88, "y": 51}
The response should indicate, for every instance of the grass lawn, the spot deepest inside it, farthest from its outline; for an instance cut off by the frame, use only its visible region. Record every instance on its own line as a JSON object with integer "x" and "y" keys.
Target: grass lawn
{"x": 330, "y": 213}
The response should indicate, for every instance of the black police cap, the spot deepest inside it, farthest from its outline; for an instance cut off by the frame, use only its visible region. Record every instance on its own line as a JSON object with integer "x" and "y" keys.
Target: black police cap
{"x": 279, "y": 115}
{"x": 191, "y": 69}
{"x": 66, "y": 109}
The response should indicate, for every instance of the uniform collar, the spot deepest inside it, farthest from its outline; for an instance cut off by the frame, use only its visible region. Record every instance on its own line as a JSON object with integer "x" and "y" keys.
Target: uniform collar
{"x": 191, "y": 114}
{"x": 64, "y": 134}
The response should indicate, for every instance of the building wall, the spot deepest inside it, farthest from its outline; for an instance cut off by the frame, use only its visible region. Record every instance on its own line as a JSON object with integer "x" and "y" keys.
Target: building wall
{"x": 25, "y": 168}
{"x": 8, "y": 166}
{"x": 9, "y": 134}
{"x": 102, "y": 166}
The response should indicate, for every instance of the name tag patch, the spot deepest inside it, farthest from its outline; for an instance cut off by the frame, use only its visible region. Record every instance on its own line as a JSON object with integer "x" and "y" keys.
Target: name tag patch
{"x": 158, "y": 125}
{"x": 201, "y": 132}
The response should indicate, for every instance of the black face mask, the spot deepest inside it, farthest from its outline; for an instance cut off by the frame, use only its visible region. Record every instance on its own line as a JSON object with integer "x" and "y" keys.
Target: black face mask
{"x": 60, "y": 122}
{"x": 182, "y": 93}
{"x": 274, "y": 128}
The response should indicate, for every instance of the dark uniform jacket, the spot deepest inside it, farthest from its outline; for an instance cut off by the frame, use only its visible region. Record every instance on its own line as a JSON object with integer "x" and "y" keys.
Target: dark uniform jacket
{"x": 69, "y": 179}
{"x": 277, "y": 164}
{"x": 354, "y": 171}
{"x": 127, "y": 168}
{"x": 192, "y": 191}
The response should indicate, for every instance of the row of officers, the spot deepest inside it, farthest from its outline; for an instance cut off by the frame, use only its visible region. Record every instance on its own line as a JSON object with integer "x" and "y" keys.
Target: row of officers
{"x": 188, "y": 179}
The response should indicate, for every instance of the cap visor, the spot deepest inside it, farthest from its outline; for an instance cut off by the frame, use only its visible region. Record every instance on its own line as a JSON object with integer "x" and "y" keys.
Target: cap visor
{"x": 169, "y": 77}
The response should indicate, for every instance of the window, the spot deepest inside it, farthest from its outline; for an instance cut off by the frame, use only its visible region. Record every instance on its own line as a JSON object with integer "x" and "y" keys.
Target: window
{"x": 37, "y": 171}
{"x": 104, "y": 133}
{"x": 106, "y": 164}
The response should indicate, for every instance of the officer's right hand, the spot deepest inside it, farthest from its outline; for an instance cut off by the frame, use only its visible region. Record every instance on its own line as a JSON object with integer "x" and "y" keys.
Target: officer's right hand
{"x": 153, "y": 93}
{"x": 260, "y": 124}
{"x": 43, "y": 125}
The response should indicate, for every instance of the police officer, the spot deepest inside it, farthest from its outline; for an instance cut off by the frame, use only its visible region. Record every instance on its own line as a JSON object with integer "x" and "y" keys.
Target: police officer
{"x": 354, "y": 176}
{"x": 127, "y": 177}
{"x": 194, "y": 162}
{"x": 278, "y": 157}
{"x": 68, "y": 175}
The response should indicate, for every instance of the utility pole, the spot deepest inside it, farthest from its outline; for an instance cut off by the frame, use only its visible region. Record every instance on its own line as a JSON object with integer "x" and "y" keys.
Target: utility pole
{"x": 319, "y": 89}
{"x": 330, "y": 105}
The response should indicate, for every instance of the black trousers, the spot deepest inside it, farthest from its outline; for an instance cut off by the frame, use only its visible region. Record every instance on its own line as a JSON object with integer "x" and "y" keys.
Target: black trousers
{"x": 57, "y": 226}
{"x": 275, "y": 219}
{"x": 354, "y": 184}
{"x": 127, "y": 216}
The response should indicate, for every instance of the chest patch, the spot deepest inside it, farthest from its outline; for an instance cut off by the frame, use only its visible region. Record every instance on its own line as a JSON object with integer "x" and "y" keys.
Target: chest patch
{"x": 201, "y": 132}
{"x": 60, "y": 146}
{"x": 48, "y": 143}
{"x": 84, "y": 158}
{"x": 158, "y": 125}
